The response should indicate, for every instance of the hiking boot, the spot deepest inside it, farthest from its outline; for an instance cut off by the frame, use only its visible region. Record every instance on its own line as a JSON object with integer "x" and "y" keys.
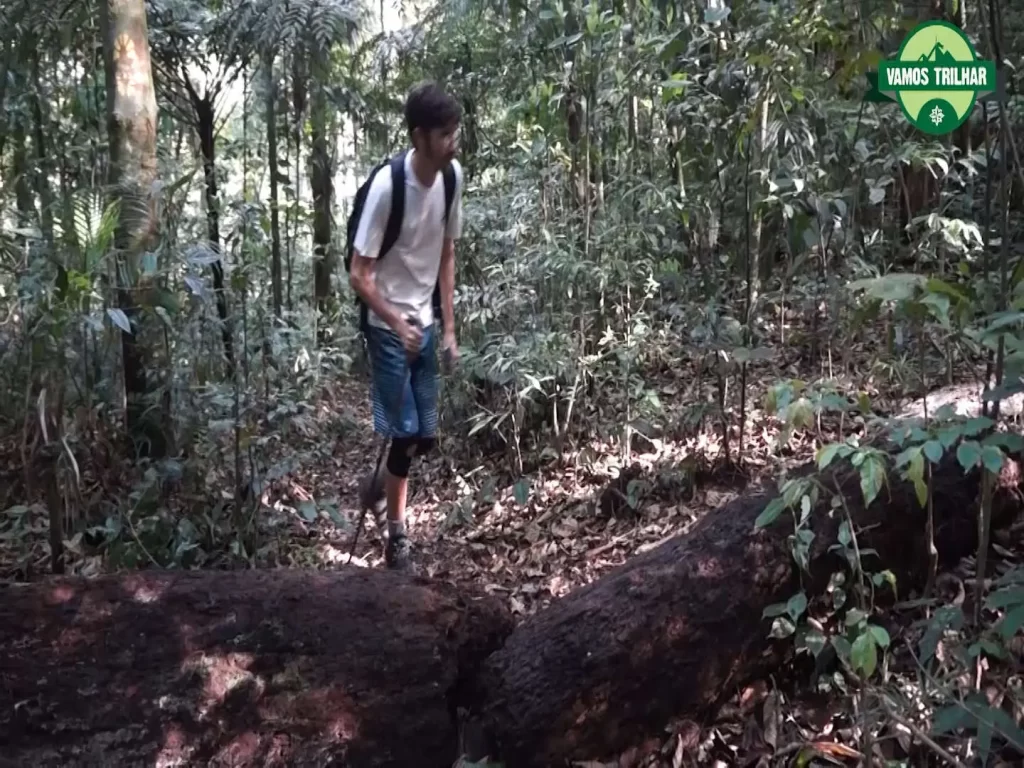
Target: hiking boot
{"x": 397, "y": 553}
{"x": 373, "y": 497}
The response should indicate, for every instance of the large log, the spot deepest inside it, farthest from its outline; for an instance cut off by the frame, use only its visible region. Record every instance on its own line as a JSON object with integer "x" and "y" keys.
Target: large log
{"x": 246, "y": 668}
{"x": 368, "y": 668}
{"x": 674, "y": 630}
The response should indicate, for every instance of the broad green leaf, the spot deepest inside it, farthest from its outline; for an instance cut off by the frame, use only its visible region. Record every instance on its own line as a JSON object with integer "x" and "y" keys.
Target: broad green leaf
{"x": 933, "y": 450}
{"x": 855, "y": 616}
{"x": 992, "y": 458}
{"x": 984, "y": 738}
{"x": 796, "y": 605}
{"x": 949, "y": 435}
{"x": 844, "y": 535}
{"x": 916, "y": 474}
{"x": 308, "y": 510}
{"x": 968, "y": 453}
{"x": 1008, "y": 441}
{"x": 770, "y": 513}
{"x": 938, "y": 306}
{"x": 934, "y": 285}
{"x": 1004, "y": 598}
{"x": 828, "y": 453}
{"x": 773, "y": 610}
{"x": 885, "y": 577}
{"x": 815, "y": 642}
{"x": 1004, "y": 724}
{"x": 800, "y": 414}
{"x": 976, "y": 425}
{"x": 872, "y": 477}
{"x": 120, "y": 319}
{"x": 880, "y": 635}
{"x": 950, "y": 718}
{"x": 986, "y": 646}
{"x": 1011, "y": 622}
{"x": 921, "y": 491}
{"x": 842, "y": 646}
{"x": 904, "y": 456}
{"x": 522, "y": 491}
{"x": 864, "y": 654}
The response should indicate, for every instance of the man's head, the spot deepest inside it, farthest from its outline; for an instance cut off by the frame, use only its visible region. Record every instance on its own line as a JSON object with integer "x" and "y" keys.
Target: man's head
{"x": 432, "y": 117}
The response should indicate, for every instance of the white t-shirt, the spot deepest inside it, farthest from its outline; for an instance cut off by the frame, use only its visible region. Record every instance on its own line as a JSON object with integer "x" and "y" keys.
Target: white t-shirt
{"x": 408, "y": 273}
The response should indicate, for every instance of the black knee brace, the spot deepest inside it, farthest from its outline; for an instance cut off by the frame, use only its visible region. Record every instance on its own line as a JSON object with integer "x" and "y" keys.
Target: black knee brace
{"x": 402, "y": 451}
{"x": 400, "y": 455}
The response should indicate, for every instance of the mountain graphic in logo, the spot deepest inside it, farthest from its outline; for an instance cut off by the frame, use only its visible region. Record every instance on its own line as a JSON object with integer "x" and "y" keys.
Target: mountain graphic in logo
{"x": 939, "y": 55}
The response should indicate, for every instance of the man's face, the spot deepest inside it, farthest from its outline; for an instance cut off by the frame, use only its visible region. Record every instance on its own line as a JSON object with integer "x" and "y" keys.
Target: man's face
{"x": 441, "y": 145}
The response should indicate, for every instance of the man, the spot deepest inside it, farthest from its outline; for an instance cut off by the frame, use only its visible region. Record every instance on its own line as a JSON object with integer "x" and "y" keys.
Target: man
{"x": 398, "y": 291}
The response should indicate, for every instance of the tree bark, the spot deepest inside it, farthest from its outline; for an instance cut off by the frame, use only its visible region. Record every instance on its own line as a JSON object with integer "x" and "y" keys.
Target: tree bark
{"x": 257, "y": 668}
{"x": 206, "y": 128}
{"x": 369, "y": 668}
{"x": 131, "y": 128}
{"x": 272, "y": 161}
{"x": 321, "y": 184}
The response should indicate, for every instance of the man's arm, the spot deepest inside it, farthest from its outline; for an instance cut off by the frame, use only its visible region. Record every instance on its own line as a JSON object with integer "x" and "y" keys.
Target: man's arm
{"x": 446, "y": 276}
{"x": 361, "y": 278}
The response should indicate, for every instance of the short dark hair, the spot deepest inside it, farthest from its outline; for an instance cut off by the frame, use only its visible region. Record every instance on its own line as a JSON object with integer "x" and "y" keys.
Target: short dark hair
{"x": 428, "y": 107}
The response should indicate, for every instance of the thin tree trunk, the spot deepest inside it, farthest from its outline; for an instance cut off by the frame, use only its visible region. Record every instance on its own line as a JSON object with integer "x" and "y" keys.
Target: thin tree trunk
{"x": 322, "y": 185}
{"x": 275, "y": 217}
{"x": 131, "y": 128}
{"x": 203, "y": 106}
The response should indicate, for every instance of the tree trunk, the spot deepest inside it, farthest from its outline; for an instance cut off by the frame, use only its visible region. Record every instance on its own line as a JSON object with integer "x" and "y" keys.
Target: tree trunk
{"x": 43, "y": 155}
{"x": 243, "y": 668}
{"x": 322, "y": 187}
{"x": 370, "y": 668}
{"x": 205, "y": 116}
{"x": 300, "y": 83}
{"x": 131, "y": 128}
{"x": 275, "y": 216}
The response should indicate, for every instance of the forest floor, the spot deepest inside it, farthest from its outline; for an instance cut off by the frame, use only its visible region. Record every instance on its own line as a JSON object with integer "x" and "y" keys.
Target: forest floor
{"x": 468, "y": 526}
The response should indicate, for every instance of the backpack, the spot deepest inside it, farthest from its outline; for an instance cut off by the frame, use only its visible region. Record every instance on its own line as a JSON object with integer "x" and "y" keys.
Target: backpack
{"x": 394, "y": 224}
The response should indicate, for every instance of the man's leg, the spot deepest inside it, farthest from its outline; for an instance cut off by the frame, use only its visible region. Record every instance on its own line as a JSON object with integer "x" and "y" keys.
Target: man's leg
{"x": 395, "y": 418}
{"x": 423, "y": 380}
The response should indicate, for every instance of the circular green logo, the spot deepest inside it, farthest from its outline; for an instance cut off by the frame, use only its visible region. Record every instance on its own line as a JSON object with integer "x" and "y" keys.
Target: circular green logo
{"x": 936, "y": 77}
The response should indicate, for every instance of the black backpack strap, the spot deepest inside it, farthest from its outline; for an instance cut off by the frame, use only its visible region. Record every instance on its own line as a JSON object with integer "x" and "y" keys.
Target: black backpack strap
{"x": 394, "y": 225}
{"x": 448, "y": 174}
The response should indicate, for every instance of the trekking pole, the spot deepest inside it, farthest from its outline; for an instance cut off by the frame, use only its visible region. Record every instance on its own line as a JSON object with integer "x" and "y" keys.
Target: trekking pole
{"x": 383, "y": 448}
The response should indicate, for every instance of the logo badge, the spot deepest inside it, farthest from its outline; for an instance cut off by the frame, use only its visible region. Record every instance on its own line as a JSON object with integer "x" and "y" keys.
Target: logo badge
{"x": 935, "y": 78}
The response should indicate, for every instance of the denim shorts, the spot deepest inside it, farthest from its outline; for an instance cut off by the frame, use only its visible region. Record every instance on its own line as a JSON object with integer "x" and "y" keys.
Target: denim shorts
{"x": 403, "y": 392}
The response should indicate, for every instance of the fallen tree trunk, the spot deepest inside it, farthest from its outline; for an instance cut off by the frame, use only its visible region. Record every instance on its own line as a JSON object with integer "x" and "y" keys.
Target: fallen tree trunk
{"x": 367, "y": 668}
{"x": 673, "y": 631}
{"x": 244, "y": 668}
